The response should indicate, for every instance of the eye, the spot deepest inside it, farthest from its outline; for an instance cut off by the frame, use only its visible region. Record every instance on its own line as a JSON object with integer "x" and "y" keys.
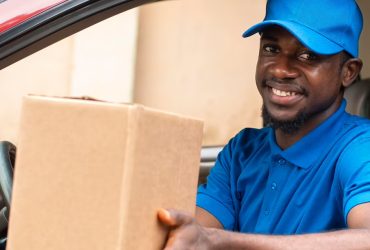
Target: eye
{"x": 308, "y": 56}
{"x": 270, "y": 49}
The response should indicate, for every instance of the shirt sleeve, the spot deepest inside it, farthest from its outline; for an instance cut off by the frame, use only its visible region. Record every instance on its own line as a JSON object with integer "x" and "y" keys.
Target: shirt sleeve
{"x": 354, "y": 170}
{"x": 216, "y": 196}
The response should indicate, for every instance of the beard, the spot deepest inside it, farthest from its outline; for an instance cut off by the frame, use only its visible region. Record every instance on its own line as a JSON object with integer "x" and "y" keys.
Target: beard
{"x": 289, "y": 127}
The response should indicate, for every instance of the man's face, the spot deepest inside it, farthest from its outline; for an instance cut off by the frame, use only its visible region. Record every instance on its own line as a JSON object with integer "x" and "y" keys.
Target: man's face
{"x": 294, "y": 81}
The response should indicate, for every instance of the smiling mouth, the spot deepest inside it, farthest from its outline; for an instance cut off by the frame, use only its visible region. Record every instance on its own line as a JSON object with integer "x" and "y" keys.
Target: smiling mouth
{"x": 287, "y": 97}
{"x": 283, "y": 93}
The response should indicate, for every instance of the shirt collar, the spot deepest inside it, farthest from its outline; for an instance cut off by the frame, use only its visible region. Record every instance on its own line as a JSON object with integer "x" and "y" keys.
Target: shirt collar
{"x": 305, "y": 151}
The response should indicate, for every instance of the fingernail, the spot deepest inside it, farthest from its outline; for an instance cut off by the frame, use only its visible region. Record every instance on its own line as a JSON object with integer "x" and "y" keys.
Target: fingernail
{"x": 166, "y": 214}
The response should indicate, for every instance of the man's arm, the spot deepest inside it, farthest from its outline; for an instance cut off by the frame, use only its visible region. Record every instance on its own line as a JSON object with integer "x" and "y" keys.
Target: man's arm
{"x": 206, "y": 219}
{"x": 190, "y": 233}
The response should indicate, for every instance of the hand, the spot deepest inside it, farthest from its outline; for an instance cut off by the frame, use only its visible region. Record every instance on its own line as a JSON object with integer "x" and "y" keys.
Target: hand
{"x": 185, "y": 233}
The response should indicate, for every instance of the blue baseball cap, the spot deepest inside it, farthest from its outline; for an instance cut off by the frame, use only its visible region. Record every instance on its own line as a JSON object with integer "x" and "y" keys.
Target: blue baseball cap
{"x": 324, "y": 26}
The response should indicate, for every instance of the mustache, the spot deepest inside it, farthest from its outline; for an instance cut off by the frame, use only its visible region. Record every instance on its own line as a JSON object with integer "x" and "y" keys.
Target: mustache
{"x": 289, "y": 84}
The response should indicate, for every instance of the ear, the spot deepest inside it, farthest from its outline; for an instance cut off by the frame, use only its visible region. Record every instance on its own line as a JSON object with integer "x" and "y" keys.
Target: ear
{"x": 350, "y": 71}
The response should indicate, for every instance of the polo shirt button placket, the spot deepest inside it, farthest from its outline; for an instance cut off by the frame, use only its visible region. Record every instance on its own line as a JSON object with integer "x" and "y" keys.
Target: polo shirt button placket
{"x": 273, "y": 186}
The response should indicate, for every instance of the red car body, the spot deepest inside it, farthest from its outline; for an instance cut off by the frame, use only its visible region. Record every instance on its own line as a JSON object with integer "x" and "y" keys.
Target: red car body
{"x": 14, "y": 12}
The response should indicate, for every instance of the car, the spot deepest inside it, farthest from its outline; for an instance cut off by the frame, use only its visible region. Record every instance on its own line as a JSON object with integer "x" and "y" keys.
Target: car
{"x": 28, "y": 28}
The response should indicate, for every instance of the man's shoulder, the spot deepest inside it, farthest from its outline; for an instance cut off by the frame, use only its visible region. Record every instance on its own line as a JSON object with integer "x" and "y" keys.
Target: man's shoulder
{"x": 251, "y": 136}
{"x": 355, "y": 137}
{"x": 246, "y": 143}
{"x": 357, "y": 125}
{"x": 253, "y": 133}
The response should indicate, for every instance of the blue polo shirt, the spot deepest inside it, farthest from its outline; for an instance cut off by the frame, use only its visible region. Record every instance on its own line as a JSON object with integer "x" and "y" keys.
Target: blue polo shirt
{"x": 256, "y": 187}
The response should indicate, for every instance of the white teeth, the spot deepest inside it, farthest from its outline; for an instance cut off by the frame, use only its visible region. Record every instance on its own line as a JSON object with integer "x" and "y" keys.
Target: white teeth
{"x": 283, "y": 93}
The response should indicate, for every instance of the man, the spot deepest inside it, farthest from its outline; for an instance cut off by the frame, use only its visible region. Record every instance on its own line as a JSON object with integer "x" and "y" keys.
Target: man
{"x": 302, "y": 182}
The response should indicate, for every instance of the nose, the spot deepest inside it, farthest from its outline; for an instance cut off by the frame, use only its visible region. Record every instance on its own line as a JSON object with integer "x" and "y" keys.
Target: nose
{"x": 284, "y": 68}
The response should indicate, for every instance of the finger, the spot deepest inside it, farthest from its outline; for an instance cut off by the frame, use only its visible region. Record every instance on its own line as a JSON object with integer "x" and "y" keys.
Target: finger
{"x": 174, "y": 218}
{"x": 165, "y": 217}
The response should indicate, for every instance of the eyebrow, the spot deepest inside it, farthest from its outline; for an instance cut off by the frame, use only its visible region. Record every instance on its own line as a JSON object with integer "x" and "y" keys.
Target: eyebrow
{"x": 273, "y": 38}
{"x": 269, "y": 37}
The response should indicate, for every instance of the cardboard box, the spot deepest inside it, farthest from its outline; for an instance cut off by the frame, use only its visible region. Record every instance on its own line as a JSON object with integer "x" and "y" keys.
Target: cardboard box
{"x": 91, "y": 175}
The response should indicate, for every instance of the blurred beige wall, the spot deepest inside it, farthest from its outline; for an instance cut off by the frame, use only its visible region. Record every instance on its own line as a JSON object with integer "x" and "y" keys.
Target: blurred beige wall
{"x": 104, "y": 59}
{"x": 193, "y": 60}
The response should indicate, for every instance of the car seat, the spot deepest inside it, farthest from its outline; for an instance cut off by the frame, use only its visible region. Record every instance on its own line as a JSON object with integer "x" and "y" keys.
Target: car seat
{"x": 7, "y": 159}
{"x": 358, "y": 98}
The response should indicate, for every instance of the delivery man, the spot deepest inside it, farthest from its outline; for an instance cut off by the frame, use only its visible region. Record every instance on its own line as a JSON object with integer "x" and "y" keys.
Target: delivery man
{"x": 303, "y": 181}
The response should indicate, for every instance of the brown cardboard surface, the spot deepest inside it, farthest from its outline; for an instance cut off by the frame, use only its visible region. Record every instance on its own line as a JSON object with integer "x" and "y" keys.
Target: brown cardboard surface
{"x": 91, "y": 175}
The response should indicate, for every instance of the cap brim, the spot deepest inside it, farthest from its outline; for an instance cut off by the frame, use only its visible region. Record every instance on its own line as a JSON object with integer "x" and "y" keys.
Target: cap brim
{"x": 309, "y": 38}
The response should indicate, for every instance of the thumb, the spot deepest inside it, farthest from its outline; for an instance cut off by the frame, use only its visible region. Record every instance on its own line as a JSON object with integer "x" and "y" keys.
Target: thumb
{"x": 173, "y": 218}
